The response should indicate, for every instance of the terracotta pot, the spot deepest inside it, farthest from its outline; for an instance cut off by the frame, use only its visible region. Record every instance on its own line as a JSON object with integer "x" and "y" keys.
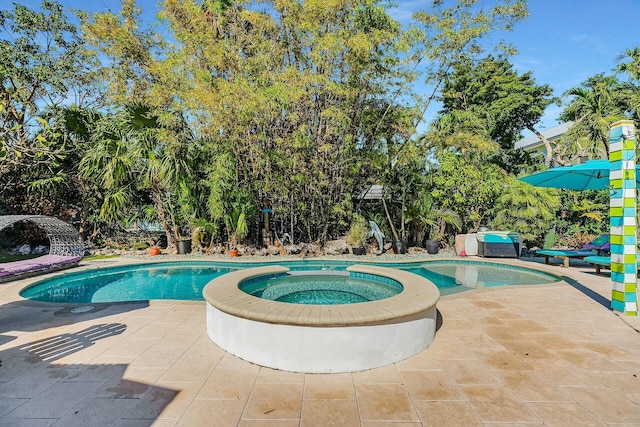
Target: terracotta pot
{"x": 233, "y": 252}
{"x": 154, "y": 250}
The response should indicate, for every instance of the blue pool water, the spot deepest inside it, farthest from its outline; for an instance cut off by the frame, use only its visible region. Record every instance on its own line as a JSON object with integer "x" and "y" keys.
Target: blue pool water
{"x": 320, "y": 289}
{"x": 185, "y": 280}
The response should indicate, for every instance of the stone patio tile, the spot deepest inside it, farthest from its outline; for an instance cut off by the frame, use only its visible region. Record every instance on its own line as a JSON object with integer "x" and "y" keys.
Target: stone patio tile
{"x": 228, "y": 384}
{"x": 337, "y": 413}
{"x": 569, "y": 376}
{"x": 268, "y": 423}
{"x": 94, "y": 373}
{"x": 447, "y": 349}
{"x": 588, "y": 360}
{"x": 190, "y": 369}
{"x": 130, "y": 346}
{"x": 450, "y": 414}
{"x": 14, "y": 366}
{"x": 329, "y": 387}
{"x": 271, "y": 401}
{"x": 501, "y": 333}
{"x": 129, "y": 422}
{"x": 131, "y": 385}
{"x": 164, "y": 401}
{"x": 159, "y": 356}
{"x": 385, "y": 402}
{"x": 501, "y": 360}
{"x": 565, "y": 414}
{"x": 607, "y": 403}
{"x": 54, "y": 401}
{"x": 422, "y": 360}
{"x": 268, "y": 375}
{"x": 229, "y": 361}
{"x": 498, "y": 405}
{"x": 181, "y": 337}
{"x": 108, "y": 411}
{"x": 30, "y": 383}
{"x": 430, "y": 385}
{"x": 27, "y": 422}
{"x": 469, "y": 372}
{"x": 533, "y": 387}
{"x": 203, "y": 346}
{"x": 8, "y": 404}
{"x": 207, "y": 412}
{"x": 625, "y": 383}
{"x": 384, "y": 375}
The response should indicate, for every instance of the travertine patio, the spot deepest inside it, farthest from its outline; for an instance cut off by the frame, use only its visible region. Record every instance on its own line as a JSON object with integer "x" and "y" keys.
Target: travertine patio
{"x": 529, "y": 355}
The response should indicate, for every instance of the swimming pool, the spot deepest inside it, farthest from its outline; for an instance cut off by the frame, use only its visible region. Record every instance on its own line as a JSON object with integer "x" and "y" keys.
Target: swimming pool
{"x": 184, "y": 280}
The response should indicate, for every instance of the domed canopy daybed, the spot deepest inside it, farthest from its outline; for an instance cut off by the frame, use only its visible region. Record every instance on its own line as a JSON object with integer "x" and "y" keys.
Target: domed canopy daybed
{"x": 66, "y": 247}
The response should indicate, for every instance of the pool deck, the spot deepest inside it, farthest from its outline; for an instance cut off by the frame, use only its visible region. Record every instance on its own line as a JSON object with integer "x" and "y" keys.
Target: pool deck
{"x": 523, "y": 355}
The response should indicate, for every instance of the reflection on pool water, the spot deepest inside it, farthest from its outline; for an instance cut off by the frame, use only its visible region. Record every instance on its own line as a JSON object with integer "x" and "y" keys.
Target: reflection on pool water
{"x": 185, "y": 280}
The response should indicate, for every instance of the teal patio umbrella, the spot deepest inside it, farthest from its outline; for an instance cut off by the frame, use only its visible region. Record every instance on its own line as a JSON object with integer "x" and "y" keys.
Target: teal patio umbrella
{"x": 591, "y": 175}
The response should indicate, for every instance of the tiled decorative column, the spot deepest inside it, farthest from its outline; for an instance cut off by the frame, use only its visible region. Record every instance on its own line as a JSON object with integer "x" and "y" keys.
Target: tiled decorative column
{"x": 624, "y": 252}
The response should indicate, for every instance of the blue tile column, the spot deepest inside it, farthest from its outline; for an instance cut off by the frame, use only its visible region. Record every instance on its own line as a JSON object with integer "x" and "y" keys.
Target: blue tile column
{"x": 624, "y": 245}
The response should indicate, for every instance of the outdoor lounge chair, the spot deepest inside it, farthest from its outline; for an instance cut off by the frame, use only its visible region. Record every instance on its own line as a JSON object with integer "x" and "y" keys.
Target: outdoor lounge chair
{"x": 29, "y": 267}
{"x": 602, "y": 261}
{"x": 66, "y": 246}
{"x": 596, "y": 247}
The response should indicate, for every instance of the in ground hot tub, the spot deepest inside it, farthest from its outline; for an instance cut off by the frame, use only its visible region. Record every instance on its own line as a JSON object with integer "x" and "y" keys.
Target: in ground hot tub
{"x": 322, "y": 338}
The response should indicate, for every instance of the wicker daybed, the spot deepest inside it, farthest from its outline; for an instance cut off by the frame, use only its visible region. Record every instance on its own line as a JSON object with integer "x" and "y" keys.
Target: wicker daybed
{"x": 66, "y": 249}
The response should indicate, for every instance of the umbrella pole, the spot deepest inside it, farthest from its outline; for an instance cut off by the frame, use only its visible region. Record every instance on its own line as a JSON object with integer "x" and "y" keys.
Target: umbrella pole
{"x": 624, "y": 244}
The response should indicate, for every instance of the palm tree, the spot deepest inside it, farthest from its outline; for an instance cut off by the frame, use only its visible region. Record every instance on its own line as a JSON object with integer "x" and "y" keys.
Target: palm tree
{"x": 631, "y": 69}
{"x": 596, "y": 104}
{"x": 424, "y": 216}
{"x": 132, "y": 153}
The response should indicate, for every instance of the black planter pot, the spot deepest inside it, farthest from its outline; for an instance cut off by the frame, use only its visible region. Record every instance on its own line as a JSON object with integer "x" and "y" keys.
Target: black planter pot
{"x": 358, "y": 251}
{"x": 399, "y": 246}
{"x": 433, "y": 246}
{"x": 184, "y": 246}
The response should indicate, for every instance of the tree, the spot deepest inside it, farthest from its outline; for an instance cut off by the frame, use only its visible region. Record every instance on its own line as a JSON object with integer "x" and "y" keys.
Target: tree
{"x": 629, "y": 67}
{"x": 44, "y": 65}
{"x": 530, "y": 211}
{"x": 468, "y": 188}
{"x": 489, "y": 100}
{"x": 595, "y": 105}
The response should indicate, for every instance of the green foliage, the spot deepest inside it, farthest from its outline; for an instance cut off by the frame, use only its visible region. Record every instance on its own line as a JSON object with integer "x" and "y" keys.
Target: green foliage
{"x": 487, "y": 104}
{"x": 43, "y": 64}
{"x": 550, "y": 239}
{"x": 236, "y": 223}
{"x": 358, "y": 232}
{"x": 594, "y": 106}
{"x": 469, "y": 189}
{"x": 530, "y": 211}
{"x": 428, "y": 219}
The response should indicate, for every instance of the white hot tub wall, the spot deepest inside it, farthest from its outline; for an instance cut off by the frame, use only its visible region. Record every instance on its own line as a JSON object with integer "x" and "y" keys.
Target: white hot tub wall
{"x": 315, "y": 349}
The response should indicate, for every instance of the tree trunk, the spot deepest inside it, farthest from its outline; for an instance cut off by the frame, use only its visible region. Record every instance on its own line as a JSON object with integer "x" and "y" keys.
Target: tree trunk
{"x": 386, "y": 211}
{"x": 547, "y": 145}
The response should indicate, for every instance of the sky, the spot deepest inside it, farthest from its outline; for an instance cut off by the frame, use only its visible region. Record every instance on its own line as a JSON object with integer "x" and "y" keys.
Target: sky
{"x": 562, "y": 42}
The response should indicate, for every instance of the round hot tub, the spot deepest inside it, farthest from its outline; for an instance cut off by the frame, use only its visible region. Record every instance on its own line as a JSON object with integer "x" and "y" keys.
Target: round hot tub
{"x": 321, "y": 338}
{"x": 321, "y": 287}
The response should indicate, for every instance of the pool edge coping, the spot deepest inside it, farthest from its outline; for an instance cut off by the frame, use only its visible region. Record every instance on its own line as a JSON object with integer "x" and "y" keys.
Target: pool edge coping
{"x": 418, "y": 295}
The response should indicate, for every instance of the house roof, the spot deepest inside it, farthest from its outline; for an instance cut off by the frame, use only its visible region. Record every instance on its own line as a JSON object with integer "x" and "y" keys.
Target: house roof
{"x": 533, "y": 141}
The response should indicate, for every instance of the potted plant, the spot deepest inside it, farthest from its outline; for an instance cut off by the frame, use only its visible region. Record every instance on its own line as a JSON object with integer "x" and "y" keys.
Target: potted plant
{"x": 431, "y": 221}
{"x": 358, "y": 234}
{"x": 236, "y": 223}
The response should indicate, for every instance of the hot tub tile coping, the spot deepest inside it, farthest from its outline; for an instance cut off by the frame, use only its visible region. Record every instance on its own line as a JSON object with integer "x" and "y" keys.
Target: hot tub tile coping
{"x": 418, "y": 295}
